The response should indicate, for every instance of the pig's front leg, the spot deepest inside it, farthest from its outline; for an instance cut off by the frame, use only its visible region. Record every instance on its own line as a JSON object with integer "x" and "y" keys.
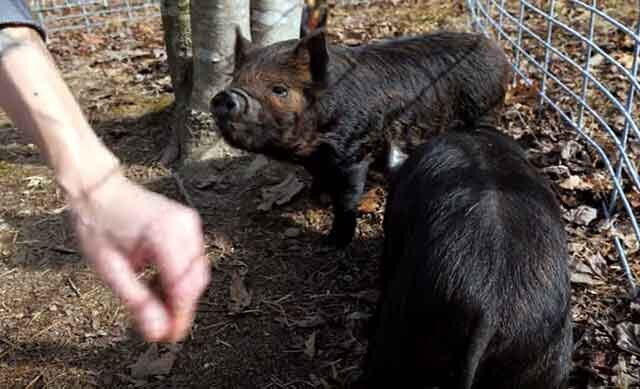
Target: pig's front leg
{"x": 346, "y": 192}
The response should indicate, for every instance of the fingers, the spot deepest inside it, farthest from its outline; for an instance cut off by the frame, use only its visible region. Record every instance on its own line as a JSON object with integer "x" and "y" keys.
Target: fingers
{"x": 149, "y": 313}
{"x": 183, "y": 295}
{"x": 184, "y": 269}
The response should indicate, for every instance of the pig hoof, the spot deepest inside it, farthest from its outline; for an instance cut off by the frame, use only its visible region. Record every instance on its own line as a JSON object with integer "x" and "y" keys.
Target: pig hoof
{"x": 340, "y": 238}
{"x": 321, "y": 199}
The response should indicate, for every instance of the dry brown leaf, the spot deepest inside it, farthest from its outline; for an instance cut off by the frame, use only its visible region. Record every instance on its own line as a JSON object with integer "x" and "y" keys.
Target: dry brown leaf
{"x": 292, "y": 232}
{"x": 151, "y": 363}
{"x": 256, "y": 165}
{"x": 239, "y": 294}
{"x": 596, "y": 60}
{"x": 585, "y": 279}
{"x": 628, "y": 335}
{"x": 281, "y": 193}
{"x": 570, "y": 149}
{"x": 575, "y": 183}
{"x": 7, "y": 239}
{"x": 371, "y": 201}
{"x": 583, "y": 215}
{"x": 310, "y": 345}
{"x": 523, "y": 93}
{"x": 310, "y": 322}
{"x": 589, "y": 273}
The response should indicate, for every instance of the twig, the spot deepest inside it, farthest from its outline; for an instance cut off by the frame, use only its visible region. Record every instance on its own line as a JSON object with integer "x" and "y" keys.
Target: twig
{"x": 75, "y": 289}
{"x": 115, "y": 315}
{"x": 34, "y": 381}
{"x": 9, "y": 343}
{"x": 220, "y": 341}
{"x": 45, "y": 329}
{"x": 8, "y": 272}
{"x": 36, "y": 316}
{"x": 182, "y": 190}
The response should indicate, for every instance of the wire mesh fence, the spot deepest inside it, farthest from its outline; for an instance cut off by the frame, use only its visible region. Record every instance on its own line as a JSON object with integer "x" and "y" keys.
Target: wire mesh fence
{"x": 60, "y": 15}
{"x": 583, "y": 59}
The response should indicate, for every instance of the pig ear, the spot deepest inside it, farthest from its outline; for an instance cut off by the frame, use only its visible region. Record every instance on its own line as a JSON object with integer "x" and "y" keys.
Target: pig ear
{"x": 314, "y": 17}
{"x": 395, "y": 158}
{"x": 311, "y": 52}
{"x": 242, "y": 47}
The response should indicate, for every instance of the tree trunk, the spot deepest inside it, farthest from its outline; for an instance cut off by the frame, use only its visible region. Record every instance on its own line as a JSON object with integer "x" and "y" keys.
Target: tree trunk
{"x": 176, "y": 24}
{"x": 275, "y": 20}
{"x": 214, "y": 35}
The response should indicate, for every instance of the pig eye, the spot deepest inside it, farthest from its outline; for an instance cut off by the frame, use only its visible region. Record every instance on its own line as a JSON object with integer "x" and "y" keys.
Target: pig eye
{"x": 279, "y": 90}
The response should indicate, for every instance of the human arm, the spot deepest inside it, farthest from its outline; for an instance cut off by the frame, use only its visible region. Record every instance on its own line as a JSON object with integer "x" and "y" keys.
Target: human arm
{"x": 120, "y": 225}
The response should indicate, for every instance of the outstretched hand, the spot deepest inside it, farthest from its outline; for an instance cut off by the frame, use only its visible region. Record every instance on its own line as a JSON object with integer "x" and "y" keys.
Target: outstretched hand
{"x": 121, "y": 228}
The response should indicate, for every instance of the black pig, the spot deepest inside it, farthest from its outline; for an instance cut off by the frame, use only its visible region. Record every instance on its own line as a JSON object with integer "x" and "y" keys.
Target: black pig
{"x": 475, "y": 281}
{"x": 333, "y": 109}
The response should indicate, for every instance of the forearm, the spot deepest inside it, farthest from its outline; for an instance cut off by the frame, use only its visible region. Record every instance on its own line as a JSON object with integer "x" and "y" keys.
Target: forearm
{"x": 37, "y": 100}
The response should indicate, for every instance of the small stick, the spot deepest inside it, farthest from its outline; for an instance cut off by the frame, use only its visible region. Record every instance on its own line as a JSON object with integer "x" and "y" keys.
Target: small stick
{"x": 115, "y": 315}
{"x": 182, "y": 190}
{"x": 75, "y": 289}
{"x": 8, "y": 272}
{"x": 34, "y": 381}
{"x": 45, "y": 330}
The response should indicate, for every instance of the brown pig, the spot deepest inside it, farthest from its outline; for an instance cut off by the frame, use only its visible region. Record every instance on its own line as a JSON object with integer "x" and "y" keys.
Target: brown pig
{"x": 337, "y": 109}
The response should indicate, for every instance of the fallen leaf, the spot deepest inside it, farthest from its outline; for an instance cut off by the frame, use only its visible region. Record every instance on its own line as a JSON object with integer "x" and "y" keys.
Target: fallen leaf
{"x": 310, "y": 322}
{"x": 596, "y": 60}
{"x": 583, "y": 215}
{"x": 588, "y": 273}
{"x": 222, "y": 242}
{"x": 281, "y": 193}
{"x": 256, "y": 165}
{"x": 292, "y": 232}
{"x": 310, "y": 346}
{"x": 523, "y": 93}
{"x": 559, "y": 171}
{"x": 240, "y": 296}
{"x": 628, "y": 335}
{"x": 622, "y": 379}
{"x": 36, "y": 182}
{"x": 570, "y": 149}
{"x": 371, "y": 201}
{"x": 151, "y": 363}
{"x": 597, "y": 264}
{"x": 7, "y": 240}
{"x": 575, "y": 182}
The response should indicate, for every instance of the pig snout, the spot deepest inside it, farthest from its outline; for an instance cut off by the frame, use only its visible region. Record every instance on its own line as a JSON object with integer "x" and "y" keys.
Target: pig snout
{"x": 228, "y": 104}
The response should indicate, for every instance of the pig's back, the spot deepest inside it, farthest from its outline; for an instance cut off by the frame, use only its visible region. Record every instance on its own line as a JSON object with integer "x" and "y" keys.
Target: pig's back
{"x": 412, "y": 88}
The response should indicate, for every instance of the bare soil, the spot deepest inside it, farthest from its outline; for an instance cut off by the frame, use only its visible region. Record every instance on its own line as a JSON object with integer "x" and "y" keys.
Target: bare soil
{"x": 283, "y": 310}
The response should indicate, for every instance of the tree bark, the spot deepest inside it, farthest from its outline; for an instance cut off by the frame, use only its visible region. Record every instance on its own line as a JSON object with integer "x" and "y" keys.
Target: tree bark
{"x": 275, "y": 20}
{"x": 176, "y": 23}
{"x": 213, "y": 23}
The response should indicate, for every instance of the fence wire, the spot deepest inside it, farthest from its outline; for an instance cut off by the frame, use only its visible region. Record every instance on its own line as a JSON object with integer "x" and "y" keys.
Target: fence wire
{"x": 584, "y": 61}
{"x": 60, "y": 15}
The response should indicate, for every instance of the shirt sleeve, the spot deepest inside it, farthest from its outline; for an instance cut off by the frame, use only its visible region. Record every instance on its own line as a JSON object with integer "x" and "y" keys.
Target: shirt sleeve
{"x": 17, "y": 13}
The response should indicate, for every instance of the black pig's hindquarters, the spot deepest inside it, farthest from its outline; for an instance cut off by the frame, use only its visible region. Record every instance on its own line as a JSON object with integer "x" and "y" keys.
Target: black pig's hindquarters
{"x": 475, "y": 280}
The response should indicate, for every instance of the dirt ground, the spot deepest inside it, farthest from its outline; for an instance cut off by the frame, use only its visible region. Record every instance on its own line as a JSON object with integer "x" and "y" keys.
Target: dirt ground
{"x": 283, "y": 309}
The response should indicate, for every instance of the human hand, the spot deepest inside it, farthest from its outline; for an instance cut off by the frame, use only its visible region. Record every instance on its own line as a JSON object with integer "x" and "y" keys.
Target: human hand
{"x": 122, "y": 227}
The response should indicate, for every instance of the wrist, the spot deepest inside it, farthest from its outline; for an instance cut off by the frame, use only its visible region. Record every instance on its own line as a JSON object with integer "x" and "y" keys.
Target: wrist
{"x": 80, "y": 173}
